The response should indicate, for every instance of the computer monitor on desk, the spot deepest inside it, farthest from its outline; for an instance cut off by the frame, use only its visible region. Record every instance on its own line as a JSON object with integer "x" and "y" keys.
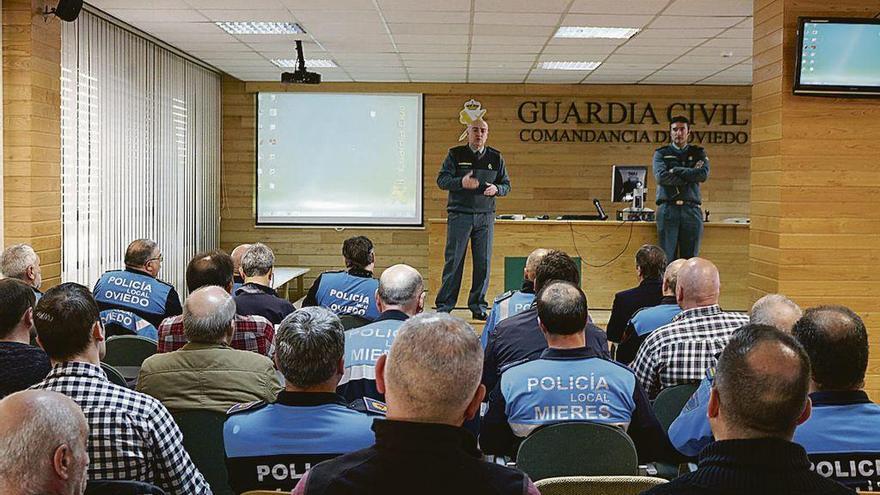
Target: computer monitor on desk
{"x": 629, "y": 183}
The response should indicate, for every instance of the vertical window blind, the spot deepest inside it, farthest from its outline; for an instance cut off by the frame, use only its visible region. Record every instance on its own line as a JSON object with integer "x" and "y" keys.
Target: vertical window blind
{"x": 140, "y": 151}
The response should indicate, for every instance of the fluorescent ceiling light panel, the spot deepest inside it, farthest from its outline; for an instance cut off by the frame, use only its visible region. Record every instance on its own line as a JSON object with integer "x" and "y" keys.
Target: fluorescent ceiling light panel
{"x": 570, "y": 65}
{"x": 595, "y": 32}
{"x": 310, "y": 63}
{"x": 260, "y": 27}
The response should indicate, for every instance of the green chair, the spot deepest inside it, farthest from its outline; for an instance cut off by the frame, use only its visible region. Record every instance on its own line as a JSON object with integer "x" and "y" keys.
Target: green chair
{"x": 597, "y": 485}
{"x": 129, "y": 350}
{"x": 513, "y": 271}
{"x": 203, "y": 440}
{"x": 669, "y": 403}
{"x": 114, "y": 375}
{"x": 591, "y": 449}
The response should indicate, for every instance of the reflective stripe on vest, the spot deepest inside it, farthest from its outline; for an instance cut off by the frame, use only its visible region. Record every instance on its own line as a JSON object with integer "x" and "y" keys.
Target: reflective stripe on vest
{"x": 346, "y": 294}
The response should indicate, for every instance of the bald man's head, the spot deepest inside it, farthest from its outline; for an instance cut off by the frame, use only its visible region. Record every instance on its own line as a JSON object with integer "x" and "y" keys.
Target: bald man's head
{"x": 836, "y": 340}
{"x": 43, "y": 444}
{"x": 532, "y": 263}
{"x": 401, "y": 287}
{"x": 237, "y": 255}
{"x": 777, "y": 311}
{"x": 698, "y": 284}
{"x": 208, "y": 314}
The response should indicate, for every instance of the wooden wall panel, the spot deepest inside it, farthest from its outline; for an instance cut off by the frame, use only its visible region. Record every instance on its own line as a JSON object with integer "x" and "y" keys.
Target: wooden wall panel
{"x": 552, "y": 178}
{"x": 813, "y": 238}
{"x": 32, "y": 132}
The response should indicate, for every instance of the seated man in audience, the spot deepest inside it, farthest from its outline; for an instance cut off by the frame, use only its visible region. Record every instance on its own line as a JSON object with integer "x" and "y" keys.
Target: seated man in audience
{"x": 206, "y": 373}
{"x": 646, "y": 320}
{"x": 21, "y": 364}
{"x": 683, "y": 350}
{"x": 136, "y": 289}
{"x": 350, "y": 291}
{"x": 256, "y": 296}
{"x": 133, "y": 437}
{"x": 519, "y": 337}
{"x": 843, "y": 428}
{"x": 43, "y": 445}
{"x": 514, "y": 302}
{"x": 252, "y": 333}
{"x": 21, "y": 262}
{"x": 690, "y": 431}
{"x": 650, "y": 263}
{"x": 401, "y": 295}
{"x": 237, "y": 254}
{"x": 431, "y": 377}
{"x": 758, "y": 398}
{"x": 308, "y": 422}
{"x": 522, "y": 402}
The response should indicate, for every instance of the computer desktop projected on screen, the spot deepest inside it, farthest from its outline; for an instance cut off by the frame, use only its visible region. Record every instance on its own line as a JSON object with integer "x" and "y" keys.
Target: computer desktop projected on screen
{"x": 339, "y": 159}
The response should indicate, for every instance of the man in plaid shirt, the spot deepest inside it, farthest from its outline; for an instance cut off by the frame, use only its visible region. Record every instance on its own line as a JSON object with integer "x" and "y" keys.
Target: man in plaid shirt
{"x": 681, "y": 351}
{"x": 252, "y": 333}
{"x": 133, "y": 437}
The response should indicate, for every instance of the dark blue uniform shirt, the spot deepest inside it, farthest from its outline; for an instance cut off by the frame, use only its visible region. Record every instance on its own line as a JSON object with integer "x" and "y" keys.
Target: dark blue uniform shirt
{"x": 257, "y": 299}
{"x": 363, "y": 346}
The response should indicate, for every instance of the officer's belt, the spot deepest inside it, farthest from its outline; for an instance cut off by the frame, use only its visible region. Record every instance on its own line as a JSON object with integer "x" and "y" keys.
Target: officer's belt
{"x": 679, "y": 202}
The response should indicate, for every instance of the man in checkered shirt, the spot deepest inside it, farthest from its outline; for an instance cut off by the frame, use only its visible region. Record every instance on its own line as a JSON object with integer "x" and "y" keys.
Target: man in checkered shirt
{"x": 252, "y": 333}
{"x": 681, "y": 351}
{"x": 133, "y": 437}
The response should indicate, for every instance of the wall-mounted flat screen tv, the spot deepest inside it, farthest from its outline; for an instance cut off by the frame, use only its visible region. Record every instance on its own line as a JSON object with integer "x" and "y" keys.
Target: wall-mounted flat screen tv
{"x": 838, "y": 57}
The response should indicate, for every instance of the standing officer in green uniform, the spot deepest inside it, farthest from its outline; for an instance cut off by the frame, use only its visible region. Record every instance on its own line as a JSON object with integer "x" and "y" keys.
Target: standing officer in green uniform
{"x": 474, "y": 175}
{"x": 679, "y": 168}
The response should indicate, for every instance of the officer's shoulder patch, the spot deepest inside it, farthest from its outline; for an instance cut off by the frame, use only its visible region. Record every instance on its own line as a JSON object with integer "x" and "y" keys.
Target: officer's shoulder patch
{"x": 246, "y": 406}
{"x": 489, "y": 148}
{"x": 506, "y": 295}
{"x": 514, "y": 364}
{"x": 369, "y": 405}
{"x": 660, "y": 149}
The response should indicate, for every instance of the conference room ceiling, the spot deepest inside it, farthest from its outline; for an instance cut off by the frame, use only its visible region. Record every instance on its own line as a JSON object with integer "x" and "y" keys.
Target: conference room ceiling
{"x": 497, "y": 41}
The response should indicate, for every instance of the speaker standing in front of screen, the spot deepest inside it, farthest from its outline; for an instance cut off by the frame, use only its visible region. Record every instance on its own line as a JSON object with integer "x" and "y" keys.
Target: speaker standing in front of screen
{"x": 474, "y": 175}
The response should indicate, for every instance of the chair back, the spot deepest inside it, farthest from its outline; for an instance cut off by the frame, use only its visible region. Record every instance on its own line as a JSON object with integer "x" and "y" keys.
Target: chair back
{"x": 203, "y": 440}
{"x": 352, "y": 321}
{"x": 597, "y": 485}
{"x": 129, "y": 350}
{"x": 114, "y": 375}
{"x": 117, "y": 487}
{"x": 669, "y": 403}
{"x": 591, "y": 449}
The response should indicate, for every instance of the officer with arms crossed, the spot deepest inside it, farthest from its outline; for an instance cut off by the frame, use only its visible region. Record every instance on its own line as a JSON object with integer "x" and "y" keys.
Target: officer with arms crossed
{"x": 270, "y": 446}
{"x": 534, "y": 393}
{"x": 679, "y": 168}
{"x": 350, "y": 291}
{"x": 473, "y": 175}
{"x": 136, "y": 290}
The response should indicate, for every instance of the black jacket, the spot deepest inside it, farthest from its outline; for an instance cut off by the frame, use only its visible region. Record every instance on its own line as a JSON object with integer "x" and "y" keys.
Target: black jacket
{"x": 256, "y": 299}
{"x": 627, "y": 302}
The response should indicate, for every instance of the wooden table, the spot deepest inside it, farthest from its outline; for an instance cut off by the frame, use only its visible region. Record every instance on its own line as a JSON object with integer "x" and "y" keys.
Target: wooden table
{"x": 283, "y": 275}
{"x": 597, "y": 243}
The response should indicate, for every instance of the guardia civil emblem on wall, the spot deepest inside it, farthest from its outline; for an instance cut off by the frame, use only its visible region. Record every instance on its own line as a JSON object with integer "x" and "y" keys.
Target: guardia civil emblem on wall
{"x": 471, "y": 113}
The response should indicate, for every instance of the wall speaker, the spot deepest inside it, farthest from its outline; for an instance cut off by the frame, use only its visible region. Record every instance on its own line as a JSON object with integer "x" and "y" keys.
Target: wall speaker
{"x": 67, "y": 10}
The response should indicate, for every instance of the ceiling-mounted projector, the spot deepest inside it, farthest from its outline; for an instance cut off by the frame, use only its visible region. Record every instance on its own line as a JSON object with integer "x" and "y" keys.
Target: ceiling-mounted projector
{"x": 300, "y": 75}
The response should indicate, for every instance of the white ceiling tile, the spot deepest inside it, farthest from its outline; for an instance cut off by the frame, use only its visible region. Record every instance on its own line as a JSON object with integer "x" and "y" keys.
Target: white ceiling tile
{"x": 713, "y": 51}
{"x": 739, "y": 33}
{"x": 513, "y": 30}
{"x": 319, "y": 17}
{"x": 107, "y": 5}
{"x": 440, "y": 57}
{"x": 431, "y": 39}
{"x": 280, "y": 15}
{"x": 703, "y": 7}
{"x": 669, "y": 80}
{"x": 509, "y": 40}
{"x": 606, "y": 20}
{"x": 626, "y": 59}
{"x": 437, "y": 65}
{"x": 730, "y": 43}
{"x": 160, "y": 29}
{"x": 629, "y": 49}
{"x": 448, "y": 5}
{"x": 679, "y": 33}
{"x": 461, "y": 29}
{"x": 650, "y": 7}
{"x": 677, "y": 42}
{"x": 422, "y": 17}
{"x": 551, "y": 6}
{"x": 489, "y": 49}
{"x": 516, "y": 18}
{"x": 295, "y": 5}
{"x": 685, "y": 22}
{"x": 235, "y": 4}
{"x": 411, "y": 48}
{"x": 134, "y": 16}
{"x": 716, "y": 60}
{"x": 502, "y": 57}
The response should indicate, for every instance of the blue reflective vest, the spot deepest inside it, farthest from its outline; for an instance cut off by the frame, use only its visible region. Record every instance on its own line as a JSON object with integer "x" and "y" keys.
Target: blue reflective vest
{"x": 841, "y": 438}
{"x": 690, "y": 431}
{"x": 139, "y": 293}
{"x": 363, "y": 346}
{"x": 647, "y": 320}
{"x": 347, "y": 294}
{"x": 505, "y": 306}
{"x": 271, "y": 446}
{"x": 130, "y": 322}
{"x": 565, "y": 385}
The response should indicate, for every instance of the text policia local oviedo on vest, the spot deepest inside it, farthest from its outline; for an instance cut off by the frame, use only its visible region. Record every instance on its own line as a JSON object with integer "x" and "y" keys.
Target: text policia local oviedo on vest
{"x": 574, "y": 115}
